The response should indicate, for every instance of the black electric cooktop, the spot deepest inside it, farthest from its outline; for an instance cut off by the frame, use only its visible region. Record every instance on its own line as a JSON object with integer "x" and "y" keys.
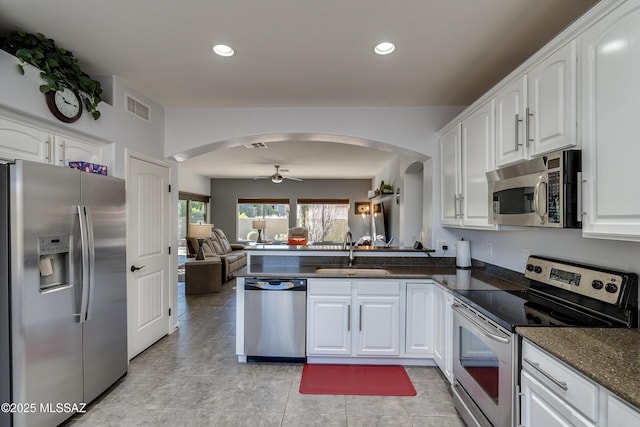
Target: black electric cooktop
{"x": 523, "y": 308}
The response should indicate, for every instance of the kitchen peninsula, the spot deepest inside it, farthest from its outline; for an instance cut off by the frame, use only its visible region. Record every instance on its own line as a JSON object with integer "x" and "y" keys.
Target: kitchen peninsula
{"x": 395, "y": 307}
{"x": 395, "y": 290}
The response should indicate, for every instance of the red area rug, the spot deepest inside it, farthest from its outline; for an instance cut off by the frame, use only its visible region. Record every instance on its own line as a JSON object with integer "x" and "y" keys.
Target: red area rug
{"x": 365, "y": 380}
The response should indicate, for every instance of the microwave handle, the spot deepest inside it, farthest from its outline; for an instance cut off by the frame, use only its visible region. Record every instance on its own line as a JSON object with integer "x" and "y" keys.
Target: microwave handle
{"x": 536, "y": 199}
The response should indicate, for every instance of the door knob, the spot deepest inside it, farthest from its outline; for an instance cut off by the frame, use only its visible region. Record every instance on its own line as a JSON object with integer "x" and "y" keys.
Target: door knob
{"x": 134, "y": 268}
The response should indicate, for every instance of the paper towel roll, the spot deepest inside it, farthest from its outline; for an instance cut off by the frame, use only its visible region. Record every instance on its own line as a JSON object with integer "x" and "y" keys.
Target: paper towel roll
{"x": 463, "y": 254}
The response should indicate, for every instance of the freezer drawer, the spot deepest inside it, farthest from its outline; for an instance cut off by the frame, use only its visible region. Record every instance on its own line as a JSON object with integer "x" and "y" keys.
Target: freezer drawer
{"x": 275, "y": 321}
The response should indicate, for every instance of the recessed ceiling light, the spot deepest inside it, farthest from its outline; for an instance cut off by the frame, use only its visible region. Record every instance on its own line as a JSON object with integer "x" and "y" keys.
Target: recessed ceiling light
{"x": 384, "y": 48}
{"x": 223, "y": 50}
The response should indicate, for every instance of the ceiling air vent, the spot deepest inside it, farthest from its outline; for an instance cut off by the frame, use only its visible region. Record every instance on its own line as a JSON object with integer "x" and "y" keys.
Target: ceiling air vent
{"x": 137, "y": 108}
{"x": 256, "y": 145}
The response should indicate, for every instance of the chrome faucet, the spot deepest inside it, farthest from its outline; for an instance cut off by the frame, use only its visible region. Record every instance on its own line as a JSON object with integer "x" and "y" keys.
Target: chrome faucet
{"x": 348, "y": 237}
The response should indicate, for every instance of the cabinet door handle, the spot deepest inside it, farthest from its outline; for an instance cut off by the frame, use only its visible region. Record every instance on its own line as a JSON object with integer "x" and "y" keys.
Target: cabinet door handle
{"x": 349, "y": 318}
{"x": 518, "y": 121}
{"x": 63, "y": 153}
{"x": 536, "y": 366}
{"x": 528, "y": 127}
{"x": 460, "y": 199}
{"x": 360, "y": 318}
{"x": 49, "y": 153}
{"x": 455, "y": 206}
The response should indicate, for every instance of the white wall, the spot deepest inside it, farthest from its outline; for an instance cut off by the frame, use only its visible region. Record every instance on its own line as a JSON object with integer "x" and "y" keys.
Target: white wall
{"x": 193, "y": 131}
{"x": 196, "y": 130}
{"x": 193, "y": 183}
{"x": 510, "y": 248}
{"x": 19, "y": 95}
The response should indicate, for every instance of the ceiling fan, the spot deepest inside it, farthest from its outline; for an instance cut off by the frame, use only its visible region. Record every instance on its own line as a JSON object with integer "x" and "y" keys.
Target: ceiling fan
{"x": 276, "y": 178}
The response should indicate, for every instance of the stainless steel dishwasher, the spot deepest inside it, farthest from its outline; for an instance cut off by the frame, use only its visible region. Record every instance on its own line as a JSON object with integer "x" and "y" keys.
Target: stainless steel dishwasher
{"x": 275, "y": 319}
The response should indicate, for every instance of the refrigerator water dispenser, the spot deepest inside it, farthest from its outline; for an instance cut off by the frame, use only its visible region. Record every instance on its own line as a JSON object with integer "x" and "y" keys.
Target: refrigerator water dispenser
{"x": 54, "y": 262}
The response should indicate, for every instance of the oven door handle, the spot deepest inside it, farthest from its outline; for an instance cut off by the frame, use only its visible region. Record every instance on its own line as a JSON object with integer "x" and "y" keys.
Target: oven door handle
{"x": 459, "y": 309}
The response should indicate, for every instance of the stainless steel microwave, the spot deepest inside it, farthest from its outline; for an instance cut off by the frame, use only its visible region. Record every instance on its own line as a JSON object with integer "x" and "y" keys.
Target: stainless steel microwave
{"x": 543, "y": 192}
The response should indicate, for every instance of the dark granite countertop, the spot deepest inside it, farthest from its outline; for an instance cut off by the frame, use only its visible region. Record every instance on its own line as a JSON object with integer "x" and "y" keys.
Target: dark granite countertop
{"x": 448, "y": 276}
{"x": 311, "y": 248}
{"x": 609, "y": 357}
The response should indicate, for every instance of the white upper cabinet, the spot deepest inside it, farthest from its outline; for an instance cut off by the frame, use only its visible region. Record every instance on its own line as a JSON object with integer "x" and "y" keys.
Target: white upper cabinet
{"x": 477, "y": 156}
{"x": 22, "y": 141}
{"x": 71, "y": 150}
{"x": 450, "y": 172}
{"x": 552, "y": 98}
{"x": 610, "y": 108}
{"x": 511, "y": 104}
{"x": 536, "y": 113}
{"x": 19, "y": 141}
{"x": 466, "y": 154}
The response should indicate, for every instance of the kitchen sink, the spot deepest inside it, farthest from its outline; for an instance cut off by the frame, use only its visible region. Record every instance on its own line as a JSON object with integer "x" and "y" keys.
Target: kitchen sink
{"x": 352, "y": 271}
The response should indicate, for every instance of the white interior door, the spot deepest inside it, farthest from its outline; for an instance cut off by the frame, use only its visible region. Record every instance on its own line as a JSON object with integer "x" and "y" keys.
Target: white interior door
{"x": 148, "y": 241}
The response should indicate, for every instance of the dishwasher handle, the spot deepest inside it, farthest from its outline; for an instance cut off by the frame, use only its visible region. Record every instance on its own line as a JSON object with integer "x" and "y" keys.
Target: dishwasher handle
{"x": 275, "y": 285}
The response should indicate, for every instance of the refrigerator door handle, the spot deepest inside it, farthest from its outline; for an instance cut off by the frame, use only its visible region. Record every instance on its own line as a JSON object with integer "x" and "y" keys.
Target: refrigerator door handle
{"x": 92, "y": 260}
{"x": 84, "y": 246}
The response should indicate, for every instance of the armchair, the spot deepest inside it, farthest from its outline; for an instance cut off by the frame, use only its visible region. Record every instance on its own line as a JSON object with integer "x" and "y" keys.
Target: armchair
{"x": 297, "y": 236}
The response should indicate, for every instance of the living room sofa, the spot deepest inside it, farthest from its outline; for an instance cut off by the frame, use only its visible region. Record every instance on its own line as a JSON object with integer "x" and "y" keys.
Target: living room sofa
{"x": 232, "y": 256}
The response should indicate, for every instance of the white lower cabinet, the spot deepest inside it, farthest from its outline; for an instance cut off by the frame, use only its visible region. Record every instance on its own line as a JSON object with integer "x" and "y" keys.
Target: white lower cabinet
{"x": 353, "y": 318}
{"x": 542, "y": 407}
{"x": 573, "y": 389}
{"x": 329, "y": 324}
{"x": 378, "y": 320}
{"x": 443, "y": 331}
{"x": 420, "y": 318}
{"x": 620, "y": 414}
{"x": 555, "y": 395}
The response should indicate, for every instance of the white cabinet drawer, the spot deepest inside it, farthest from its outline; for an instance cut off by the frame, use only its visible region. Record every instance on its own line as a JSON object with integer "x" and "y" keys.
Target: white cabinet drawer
{"x": 571, "y": 386}
{"x": 328, "y": 287}
{"x": 377, "y": 287}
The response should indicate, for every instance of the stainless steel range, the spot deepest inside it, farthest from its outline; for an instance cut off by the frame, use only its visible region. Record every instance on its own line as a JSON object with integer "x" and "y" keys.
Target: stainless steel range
{"x": 486, "y": 347}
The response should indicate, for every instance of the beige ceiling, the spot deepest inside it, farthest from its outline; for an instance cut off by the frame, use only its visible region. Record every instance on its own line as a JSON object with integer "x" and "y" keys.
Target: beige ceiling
{"x": 297, "y": 53}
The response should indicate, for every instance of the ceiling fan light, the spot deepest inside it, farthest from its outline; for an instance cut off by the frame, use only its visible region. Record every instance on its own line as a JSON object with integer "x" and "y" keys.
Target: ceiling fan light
{"x": 276, "y": 179}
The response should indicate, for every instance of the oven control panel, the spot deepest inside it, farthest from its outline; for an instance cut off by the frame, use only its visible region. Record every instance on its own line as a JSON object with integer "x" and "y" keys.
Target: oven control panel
{"x": 600, "y": 284}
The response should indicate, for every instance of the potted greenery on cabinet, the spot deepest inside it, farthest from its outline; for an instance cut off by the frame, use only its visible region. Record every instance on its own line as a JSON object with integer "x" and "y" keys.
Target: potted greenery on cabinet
{"x": 58, "y": 67}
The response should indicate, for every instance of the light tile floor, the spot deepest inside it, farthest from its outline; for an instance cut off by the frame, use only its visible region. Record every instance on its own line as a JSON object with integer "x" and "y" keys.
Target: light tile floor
{"x": 192, "y": 378}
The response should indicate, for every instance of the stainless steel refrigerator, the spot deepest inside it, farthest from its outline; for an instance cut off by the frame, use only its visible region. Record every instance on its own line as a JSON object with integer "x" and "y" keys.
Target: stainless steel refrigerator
{"x": 63, "y": 308}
